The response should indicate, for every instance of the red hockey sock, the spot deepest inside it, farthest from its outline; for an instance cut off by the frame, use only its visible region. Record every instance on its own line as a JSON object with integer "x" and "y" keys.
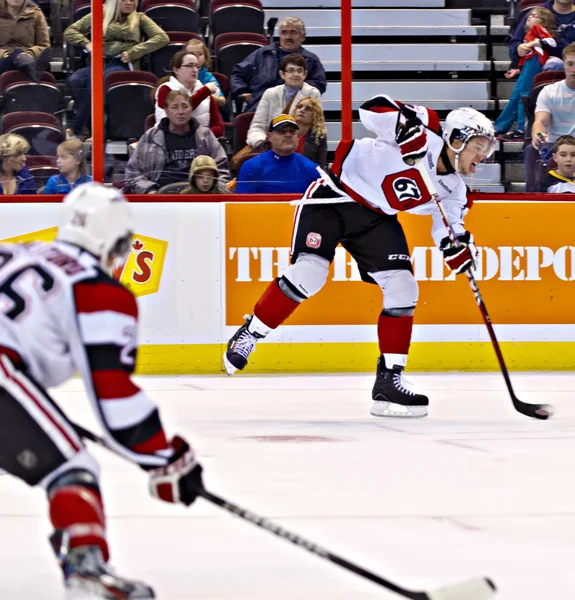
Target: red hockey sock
{"x": 394, "y": 334}
{"x": 79, "y": 510}
{"x": 274, "y": 307}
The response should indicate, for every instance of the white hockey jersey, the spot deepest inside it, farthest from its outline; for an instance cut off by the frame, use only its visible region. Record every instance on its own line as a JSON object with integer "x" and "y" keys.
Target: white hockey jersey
{"x": 371, "y": 171}
{"x": 61, "y": 314}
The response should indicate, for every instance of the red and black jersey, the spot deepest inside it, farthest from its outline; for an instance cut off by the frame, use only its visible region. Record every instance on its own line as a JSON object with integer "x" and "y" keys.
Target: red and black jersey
{"x": 62, "y": 314}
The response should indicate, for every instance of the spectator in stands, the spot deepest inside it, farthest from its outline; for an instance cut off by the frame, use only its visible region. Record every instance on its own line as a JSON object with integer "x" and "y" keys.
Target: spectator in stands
{"x": 24, "y": 38}
{"x": 280, "y": 99}
{"x": 71, "y": 163}
{"x": 281, "y": 169}
{"x": 200, "y": 50}
{"x": 165, "y": 152}
{"x": 312, "y": 134}
{"x": 185, "y": 67}
{"x": 539, "y": 30}
{"x": 561, "y": 180}
{"x": 204, "y": 177}
{"x": 15, "y": 177}
{"x": 564, "y": 12}
{"x": 260, "y": 70}
{"x": 554, "y": 115}
{"x": 124, "y": 30}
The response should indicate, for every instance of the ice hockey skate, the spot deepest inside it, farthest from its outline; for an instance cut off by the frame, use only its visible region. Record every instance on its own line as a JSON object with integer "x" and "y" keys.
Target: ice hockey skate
{"x": 86, "y": 574}
{"x": 392, "y": 398}
{"x": 240, "y": 346}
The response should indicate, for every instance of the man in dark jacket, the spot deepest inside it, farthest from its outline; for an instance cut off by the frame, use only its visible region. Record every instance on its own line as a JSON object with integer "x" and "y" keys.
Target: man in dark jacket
{"x": 165, "y": 152}
{"x": 564, "y": 12}
{"x": 260, "y": 70}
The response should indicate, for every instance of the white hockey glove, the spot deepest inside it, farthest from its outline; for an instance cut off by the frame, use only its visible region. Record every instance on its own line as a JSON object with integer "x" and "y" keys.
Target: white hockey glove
{"x": 181, "y": 479}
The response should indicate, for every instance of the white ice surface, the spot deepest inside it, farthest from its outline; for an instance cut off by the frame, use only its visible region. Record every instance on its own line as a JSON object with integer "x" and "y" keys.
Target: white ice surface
{"x": 474, "y": 489}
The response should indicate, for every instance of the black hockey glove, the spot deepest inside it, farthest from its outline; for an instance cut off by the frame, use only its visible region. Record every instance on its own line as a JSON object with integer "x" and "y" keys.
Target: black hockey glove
{"x": 412, "y": 140}
{"x": 459, "y": 258}
{"x": 181, "y": 479}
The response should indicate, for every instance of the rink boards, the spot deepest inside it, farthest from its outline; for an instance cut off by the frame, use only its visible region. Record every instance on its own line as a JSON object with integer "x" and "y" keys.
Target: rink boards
{"x": 197, "y": 268}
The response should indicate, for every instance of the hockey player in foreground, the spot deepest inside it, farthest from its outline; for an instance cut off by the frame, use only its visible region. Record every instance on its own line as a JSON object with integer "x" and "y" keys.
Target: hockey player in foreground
{"x": 61, "y": 313}
{"x": 356, "y": 204}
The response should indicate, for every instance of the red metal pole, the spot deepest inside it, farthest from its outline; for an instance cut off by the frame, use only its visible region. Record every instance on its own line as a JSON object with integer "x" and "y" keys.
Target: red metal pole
{"x": 97, "y": 90}
{"x": 346, "y": 78}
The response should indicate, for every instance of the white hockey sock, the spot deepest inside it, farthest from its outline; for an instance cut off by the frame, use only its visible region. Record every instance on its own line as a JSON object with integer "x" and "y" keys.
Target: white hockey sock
{"x": 259, "y": 327}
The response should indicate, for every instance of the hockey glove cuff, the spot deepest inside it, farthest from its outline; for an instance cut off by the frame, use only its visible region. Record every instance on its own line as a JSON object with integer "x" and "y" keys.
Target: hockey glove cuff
{"x": 412, "y": 140}
{"x": 459, "y": 258}
{"x": 181, "y": 479}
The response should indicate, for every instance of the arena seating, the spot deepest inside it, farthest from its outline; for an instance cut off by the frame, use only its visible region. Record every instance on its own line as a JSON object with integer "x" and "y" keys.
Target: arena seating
{"x": 416, "y": 50}
{"x": 19, "y": 93}
{"x": 128, "y": 102}
{"x": 172, "y": 15}
{"x": 229, "y": 17}
{"x": 43, "y": 131}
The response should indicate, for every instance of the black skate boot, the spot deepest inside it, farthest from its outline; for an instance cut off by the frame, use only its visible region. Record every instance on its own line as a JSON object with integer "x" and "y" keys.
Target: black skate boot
{"x": 240, "y": 346}
{"x": 86, "y": 572}
{"x": 391, "y": 396}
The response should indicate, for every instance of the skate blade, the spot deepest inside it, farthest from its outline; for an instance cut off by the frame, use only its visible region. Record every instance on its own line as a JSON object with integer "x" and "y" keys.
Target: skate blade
{"x": 383, "y": 408}
{"x": 230, "y": 369}
{"x": 82, "y": 589}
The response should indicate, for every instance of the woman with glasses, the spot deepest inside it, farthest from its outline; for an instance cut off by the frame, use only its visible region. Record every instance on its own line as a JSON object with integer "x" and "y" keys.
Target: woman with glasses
{"x": 128, "y": 35}
{"x": 15, "y": 177}
{"x": 185, "y": 69}
{"x": 281, "y": 99}
{"x": 312, "y": 134}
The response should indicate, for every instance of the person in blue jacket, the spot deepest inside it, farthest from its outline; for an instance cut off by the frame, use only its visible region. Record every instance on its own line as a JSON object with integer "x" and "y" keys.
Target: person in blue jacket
{"x": 71, "y": 163}
{"x": 15, "y": 177}
{"x": 564, "y": 11}
{"x": 260, "y": 70}
{"x": 279, "y": 170}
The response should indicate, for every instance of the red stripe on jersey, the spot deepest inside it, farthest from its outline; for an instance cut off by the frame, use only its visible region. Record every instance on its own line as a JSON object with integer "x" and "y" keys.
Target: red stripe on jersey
{"x": 96, "y": 297}
{"x": 157, "y": 442}
{"x": 14, "y": 357}
{"x": 383, "y": 109}
{"x": 341, "y": 153}
{"x": 433, "y": 121}
{"x": 113, "y": 385}
{"x": 380, "y": 104}
{"x": 469, "y": 202}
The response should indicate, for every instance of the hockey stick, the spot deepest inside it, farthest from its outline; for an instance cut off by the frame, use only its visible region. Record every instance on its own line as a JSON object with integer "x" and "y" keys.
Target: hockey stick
{"x": 536, "y": 411}
{"x": 473, "y": 589}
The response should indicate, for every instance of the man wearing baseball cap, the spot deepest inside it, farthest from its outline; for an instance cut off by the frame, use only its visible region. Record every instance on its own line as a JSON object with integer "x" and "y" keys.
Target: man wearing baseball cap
{"x": 279, "y": 170}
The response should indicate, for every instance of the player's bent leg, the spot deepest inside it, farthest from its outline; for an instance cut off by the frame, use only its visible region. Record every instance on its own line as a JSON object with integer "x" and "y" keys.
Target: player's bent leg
{"x": 392, "y": 397}
{"x": 39, "y": 445}
{"x": 79, "y": 538}
{"x": 299, "y": 281}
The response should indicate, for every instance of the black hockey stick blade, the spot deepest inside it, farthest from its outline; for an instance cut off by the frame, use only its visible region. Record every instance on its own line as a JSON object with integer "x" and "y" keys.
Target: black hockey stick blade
{"x": 535, "y": 411}
{"x": 474, "y": 589}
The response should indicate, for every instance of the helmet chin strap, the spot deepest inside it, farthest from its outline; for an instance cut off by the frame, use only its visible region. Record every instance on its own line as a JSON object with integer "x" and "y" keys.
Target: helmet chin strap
{"x": 456, "y": 165}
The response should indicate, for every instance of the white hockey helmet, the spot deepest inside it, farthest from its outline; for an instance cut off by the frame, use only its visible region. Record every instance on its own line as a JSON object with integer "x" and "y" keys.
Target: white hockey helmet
{"x": 466, "y": 123}
{"x": 99, "y": 220}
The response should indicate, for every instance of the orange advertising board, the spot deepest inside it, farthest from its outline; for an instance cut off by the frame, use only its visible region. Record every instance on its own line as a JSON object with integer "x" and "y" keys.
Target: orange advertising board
{"x": 526, "y": 267}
